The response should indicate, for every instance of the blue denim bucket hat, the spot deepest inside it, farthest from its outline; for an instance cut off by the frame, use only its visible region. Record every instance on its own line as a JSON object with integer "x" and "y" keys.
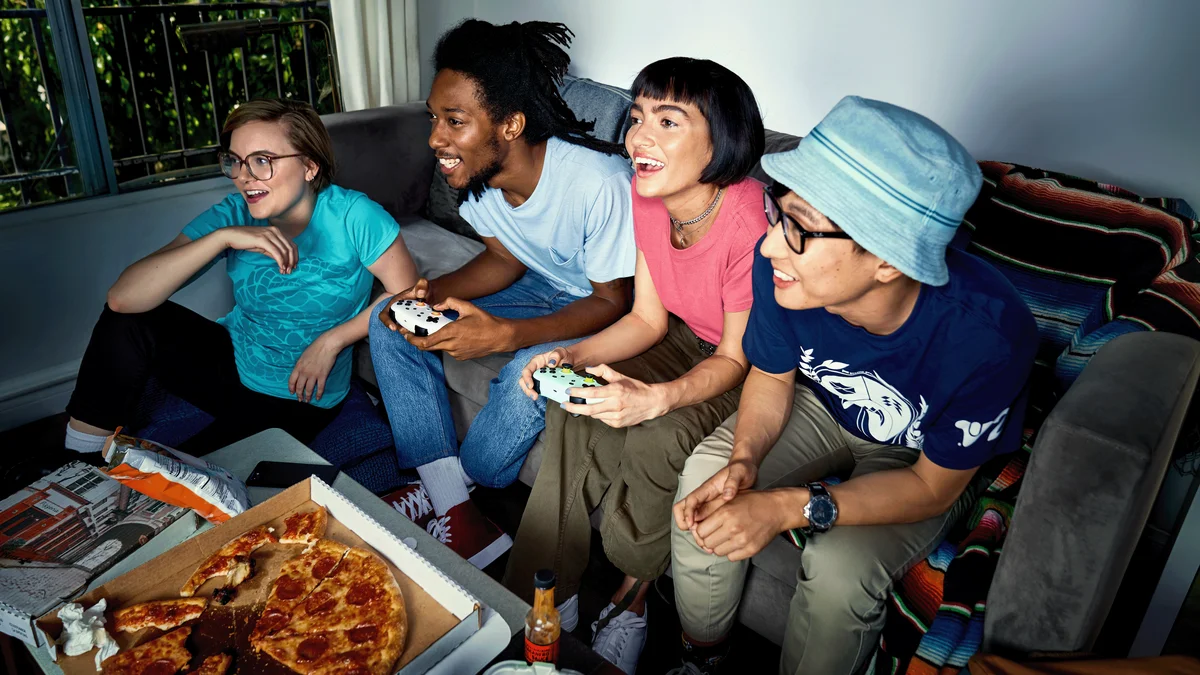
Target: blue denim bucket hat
{"x": 893, "y": 180}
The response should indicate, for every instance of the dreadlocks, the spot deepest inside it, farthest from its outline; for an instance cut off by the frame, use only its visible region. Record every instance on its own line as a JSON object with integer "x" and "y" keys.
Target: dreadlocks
{"x": 518, "y": 68}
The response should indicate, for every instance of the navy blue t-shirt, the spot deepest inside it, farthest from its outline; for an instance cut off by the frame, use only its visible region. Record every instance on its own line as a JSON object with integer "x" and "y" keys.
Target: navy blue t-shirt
{"x": 950, "y": 382}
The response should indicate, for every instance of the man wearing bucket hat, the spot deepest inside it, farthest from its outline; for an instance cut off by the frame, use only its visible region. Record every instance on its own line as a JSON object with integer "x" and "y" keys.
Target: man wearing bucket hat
{"x": 912, "y": 359}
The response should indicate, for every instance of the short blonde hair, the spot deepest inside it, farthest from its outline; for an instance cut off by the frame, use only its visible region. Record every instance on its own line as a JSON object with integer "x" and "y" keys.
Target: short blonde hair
{"x": 305, "y": 131}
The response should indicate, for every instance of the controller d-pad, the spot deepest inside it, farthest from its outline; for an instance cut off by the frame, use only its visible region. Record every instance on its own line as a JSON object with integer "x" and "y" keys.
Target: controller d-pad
{"x": 431, "y": 319}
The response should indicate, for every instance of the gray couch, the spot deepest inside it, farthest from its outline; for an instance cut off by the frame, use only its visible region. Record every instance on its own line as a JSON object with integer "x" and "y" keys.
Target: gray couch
{"x": 1093, "y": 477}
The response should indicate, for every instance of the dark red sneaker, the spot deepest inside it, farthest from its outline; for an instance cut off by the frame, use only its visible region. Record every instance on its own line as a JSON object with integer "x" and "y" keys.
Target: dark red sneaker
{"x": 412, "y": 501}
{"x": 470, "y": 534}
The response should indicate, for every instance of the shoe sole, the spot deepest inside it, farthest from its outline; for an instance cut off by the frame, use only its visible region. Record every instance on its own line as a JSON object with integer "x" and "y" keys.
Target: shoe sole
{"x": 489, "y": 553}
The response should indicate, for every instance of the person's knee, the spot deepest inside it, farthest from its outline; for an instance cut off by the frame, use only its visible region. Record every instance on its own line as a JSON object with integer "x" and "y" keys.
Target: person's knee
{"x": 483, "y": 469}
{"x": 840, "y": 580}
{"x": 698, "y": 468}
{"x": 375, "y": 326}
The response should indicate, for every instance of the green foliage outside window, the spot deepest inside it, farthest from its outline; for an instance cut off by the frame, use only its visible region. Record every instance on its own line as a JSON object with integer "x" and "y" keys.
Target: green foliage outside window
{"x": 145, "y": 115}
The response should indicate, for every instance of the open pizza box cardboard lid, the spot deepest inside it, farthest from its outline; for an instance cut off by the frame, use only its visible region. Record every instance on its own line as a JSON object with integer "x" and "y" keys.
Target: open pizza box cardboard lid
{"x": 441, "y": 614}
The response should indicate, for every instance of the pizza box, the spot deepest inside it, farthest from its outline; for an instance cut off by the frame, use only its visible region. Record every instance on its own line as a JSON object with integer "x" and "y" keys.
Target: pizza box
{"x": 441, "y": 614}
{"x": 70, "y": 531}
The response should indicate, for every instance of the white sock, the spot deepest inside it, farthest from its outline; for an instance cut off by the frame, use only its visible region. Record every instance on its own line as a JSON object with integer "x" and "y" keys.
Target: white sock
{"x": 82, "y": 442}
{"x": 443, "y": 481}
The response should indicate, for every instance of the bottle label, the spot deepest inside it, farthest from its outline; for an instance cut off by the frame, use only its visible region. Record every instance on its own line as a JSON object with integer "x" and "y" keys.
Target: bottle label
{"x": 543, "y": 653}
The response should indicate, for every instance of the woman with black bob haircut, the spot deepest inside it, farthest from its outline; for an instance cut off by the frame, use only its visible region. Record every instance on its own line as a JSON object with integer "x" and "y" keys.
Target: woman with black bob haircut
{"x": 676, "y": 359}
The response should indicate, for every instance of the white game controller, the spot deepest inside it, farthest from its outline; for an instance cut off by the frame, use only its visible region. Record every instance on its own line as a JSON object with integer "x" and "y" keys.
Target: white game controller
{"x": 553, "y": 383}
{"x": 420, "y": 318}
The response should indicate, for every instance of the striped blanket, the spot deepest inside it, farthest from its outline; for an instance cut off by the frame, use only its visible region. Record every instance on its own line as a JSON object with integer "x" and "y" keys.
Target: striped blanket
{"x": 1092, "y": 261}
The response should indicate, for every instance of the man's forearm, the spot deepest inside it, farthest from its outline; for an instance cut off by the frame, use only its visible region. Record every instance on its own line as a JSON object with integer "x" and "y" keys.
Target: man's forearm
{"x": 892, "y": 497}
{"x": 585, "y": 316}
{"x": 763, "y": 410}
{"x": 483, "y": 275}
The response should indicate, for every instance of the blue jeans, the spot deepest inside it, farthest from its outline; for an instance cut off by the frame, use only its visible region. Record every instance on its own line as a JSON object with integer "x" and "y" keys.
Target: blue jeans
{"x": 413, "y": 384}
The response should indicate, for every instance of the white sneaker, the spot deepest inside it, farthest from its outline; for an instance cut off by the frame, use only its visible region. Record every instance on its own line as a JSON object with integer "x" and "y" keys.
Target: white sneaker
{"x": 622, "y": 640}
{"x": 568, "y": 614}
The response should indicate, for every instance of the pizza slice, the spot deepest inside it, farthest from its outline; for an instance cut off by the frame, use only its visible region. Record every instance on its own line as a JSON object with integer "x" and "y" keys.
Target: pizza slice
{"x": 305, "y": 528}
{"x": 297, "y": 579}
{"x": 361, "y": 590}
{"x": 166, "y": 655}
{"x": 160, "y": 614}
{"x": 214, "y": 665}
{"x": 366, "y": 650}
{"x": 232, "y": 561}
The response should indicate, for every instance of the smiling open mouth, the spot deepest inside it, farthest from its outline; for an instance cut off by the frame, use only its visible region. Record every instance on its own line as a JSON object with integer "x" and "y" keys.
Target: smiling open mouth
{"x": 253, "y": 196}
{"x": 449, "y": 163}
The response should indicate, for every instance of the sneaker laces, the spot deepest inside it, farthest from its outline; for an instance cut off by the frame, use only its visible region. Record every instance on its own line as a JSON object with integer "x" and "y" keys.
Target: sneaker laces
{"x": 414, "y": 505}
{"x": 611, "y": 633}
{"x": 439, "y": 528}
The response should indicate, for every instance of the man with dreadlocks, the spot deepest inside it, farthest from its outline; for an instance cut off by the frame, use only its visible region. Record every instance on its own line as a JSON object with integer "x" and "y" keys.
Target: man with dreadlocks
{"x": 554, "y": 208}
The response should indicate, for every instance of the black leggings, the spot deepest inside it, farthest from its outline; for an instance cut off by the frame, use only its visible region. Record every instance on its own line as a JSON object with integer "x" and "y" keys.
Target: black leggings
{"x": 192, "y": 357}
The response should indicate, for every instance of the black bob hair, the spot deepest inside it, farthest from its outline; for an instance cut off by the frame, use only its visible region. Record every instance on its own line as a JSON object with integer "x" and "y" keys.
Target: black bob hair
{"x": 518, "y": 67}
{"x": 725, "y": 100}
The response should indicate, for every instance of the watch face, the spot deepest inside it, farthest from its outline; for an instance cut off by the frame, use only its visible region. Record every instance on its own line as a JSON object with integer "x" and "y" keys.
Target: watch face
{"x": 821, "y": 512}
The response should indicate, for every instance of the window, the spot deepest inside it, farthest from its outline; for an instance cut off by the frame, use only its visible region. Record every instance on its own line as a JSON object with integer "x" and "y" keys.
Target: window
{"x": 134, "y": 106}
{"x": 85, "y": 482}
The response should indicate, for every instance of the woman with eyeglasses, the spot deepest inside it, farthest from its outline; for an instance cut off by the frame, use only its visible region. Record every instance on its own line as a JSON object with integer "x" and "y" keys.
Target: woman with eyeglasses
{"x": 676, "y": 360}
{"x": 302, "y": 254}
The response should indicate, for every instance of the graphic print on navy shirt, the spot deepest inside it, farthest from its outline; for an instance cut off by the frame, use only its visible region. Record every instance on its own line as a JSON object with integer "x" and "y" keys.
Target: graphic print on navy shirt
{"x": 950, "y": 381}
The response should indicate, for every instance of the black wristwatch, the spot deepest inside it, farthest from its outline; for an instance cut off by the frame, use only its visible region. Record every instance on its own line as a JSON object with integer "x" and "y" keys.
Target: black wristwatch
{"x": 820, "y": 510}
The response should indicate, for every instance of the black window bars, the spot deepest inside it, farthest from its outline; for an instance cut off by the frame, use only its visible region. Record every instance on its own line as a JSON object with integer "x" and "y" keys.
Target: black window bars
{"x": 127, "y": 105}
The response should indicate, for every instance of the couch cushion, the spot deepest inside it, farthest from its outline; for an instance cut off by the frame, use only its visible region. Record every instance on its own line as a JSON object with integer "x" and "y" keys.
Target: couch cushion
{"x": 776, "y": 141}
{"x": 604, "y": 105}
{"x": 435, "y": 250}
{"x": 384, "y": 153}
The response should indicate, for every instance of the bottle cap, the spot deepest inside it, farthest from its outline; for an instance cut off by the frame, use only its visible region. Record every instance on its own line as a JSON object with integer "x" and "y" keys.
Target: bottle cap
{"x": 544, "y": 580}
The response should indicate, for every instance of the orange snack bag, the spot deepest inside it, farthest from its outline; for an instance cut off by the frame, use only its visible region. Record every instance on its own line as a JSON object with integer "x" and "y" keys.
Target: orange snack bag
{"x": 175, "y": 477}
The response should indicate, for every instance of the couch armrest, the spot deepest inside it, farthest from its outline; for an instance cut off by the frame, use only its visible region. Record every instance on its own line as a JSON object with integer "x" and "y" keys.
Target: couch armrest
{"x": 1094, "y": 473}
{"x": 384, "y": 153}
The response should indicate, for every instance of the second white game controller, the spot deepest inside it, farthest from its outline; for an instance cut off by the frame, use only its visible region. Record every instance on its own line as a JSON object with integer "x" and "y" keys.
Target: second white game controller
{"x": 553, "y": 383}
{"x": 420, "y": 318}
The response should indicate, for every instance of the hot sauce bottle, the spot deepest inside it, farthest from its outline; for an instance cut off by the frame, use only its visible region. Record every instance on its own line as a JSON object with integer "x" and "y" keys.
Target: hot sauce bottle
{"x": 542, "y": 624}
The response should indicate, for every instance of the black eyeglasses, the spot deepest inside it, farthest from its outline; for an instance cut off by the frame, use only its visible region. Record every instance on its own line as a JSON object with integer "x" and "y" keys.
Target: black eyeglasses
{"x": 260, "y": 166}
{"x": 793, "y": 234}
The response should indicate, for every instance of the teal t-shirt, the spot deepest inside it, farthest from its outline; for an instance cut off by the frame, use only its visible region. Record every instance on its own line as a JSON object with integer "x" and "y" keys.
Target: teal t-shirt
{"x": 275, "y": 316}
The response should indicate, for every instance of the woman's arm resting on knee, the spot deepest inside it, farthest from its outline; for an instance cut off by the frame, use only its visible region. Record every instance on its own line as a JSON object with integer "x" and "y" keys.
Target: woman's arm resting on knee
{"x": 397, "y": 271}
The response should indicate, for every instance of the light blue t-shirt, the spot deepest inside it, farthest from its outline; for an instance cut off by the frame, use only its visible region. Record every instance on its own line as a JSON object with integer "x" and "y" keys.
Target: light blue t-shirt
{"x": 275, "y": 316}
{"x": 576, "y": 227}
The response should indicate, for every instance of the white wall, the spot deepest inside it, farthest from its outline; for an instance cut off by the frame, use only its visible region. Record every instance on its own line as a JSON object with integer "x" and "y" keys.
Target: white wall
{"x": 1105, "y": 89}
{"x": 56, "y": 265}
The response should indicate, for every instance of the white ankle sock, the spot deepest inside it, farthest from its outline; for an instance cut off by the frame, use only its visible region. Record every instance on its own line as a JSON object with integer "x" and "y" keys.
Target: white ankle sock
{"x": 443, "y": 481}
{"x": 83, "y": 442}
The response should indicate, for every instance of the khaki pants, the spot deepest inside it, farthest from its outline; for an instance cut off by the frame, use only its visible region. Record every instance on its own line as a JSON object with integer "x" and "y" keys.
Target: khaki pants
{"x": 845, "y": 574}
{"x": 631, "y": 474}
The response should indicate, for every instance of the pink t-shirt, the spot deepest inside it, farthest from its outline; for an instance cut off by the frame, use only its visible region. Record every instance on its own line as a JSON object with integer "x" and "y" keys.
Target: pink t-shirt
{"x": 711, "y": 277}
